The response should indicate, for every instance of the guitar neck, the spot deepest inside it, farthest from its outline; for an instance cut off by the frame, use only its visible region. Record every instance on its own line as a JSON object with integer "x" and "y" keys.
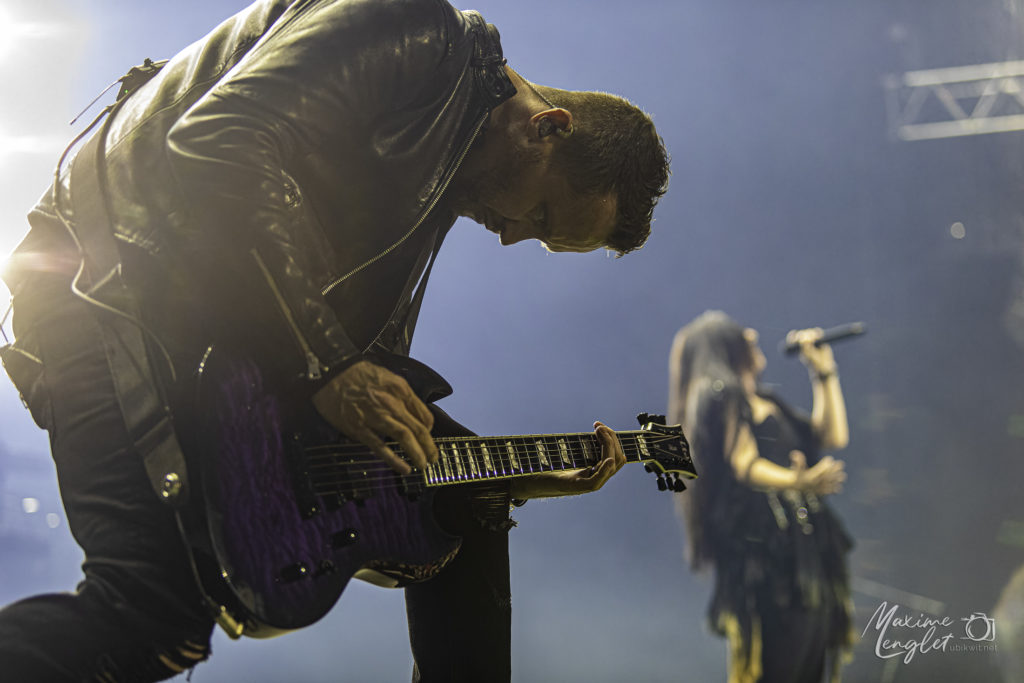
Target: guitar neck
{"x": 479, "y": 458}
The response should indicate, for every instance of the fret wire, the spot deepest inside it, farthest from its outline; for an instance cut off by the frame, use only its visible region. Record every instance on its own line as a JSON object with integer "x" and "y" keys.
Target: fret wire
{"x": 555, "y": 453}
{"x": 570, "y": 451}
{"x": 377, "y": 479}
{"x": 477, "y": 460}
{"x": 485, "y": 455}
{"x": 499, "y": 448}
{"x": 370, "y": 457}
{"x": 506, "y": 464}
{"x": 477, "y": 449}
{"x": 577, "y": 446}
{"x": 513, "y": 456}
{"x": 565, "y": 452}
{"x": 467, "y": 457}
{"x": 457, "y": 461}
{"x": 552, "y": 453}
{"x": 586, "y": 450}
{"x": 512, "y": 452}
{"x": 542, "y": 454}
{"x": 632, "y": 448}
{"x": 474, "y": 469}
{"x": 490, "y": 456}
{"x": 495, "y": 453}
{"x": 447, "y": 466}
{"x": 627, "y": 436}
{"x": 457, "y": 458}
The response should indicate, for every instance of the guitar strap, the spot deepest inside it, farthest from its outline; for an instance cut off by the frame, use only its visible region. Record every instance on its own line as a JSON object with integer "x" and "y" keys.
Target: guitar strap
{"x": 142, "y": 399}
{"x": 397, "y": 333}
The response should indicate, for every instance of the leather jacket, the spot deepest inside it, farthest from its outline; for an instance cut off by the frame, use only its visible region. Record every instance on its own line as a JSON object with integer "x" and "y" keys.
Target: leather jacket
{"x": 290, "y": 166}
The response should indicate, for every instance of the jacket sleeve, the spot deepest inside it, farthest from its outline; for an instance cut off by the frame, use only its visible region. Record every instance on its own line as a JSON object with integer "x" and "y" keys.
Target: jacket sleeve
{"x": 322, "y": 67}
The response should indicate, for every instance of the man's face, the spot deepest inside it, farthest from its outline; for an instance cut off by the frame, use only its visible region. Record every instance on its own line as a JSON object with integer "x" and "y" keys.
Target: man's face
{"x": 529, "y": 199}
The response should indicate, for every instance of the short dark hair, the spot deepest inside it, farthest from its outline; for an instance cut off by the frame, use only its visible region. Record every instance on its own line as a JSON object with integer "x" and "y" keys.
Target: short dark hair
{"x": 613, "y": 147}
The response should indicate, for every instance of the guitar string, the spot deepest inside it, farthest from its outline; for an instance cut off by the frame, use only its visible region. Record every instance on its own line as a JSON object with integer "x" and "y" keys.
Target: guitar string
{"x": 525, "y": 442}
{"x": 523, "y": 447}
{"x": 328, "y": 460}
{"x": 381, "y": 482}
{"x": 323, "y": 455}
{"x": 327, "y": 455}
{"x": 377, "y": 477}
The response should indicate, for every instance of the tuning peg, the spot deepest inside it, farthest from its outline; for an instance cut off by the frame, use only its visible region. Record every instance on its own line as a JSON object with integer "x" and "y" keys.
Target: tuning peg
{"x": 647, "y": 467}
{"x": 645, "y": 418}
{"x": 678, "y": 485}
{"x": 662, "y": 484}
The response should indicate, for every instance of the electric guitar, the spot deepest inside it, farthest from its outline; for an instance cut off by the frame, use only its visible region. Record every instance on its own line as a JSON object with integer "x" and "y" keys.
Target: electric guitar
{"x": 284, "y": 510}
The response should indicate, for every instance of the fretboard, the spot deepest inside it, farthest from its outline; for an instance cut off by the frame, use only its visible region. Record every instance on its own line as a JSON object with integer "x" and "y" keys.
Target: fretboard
{"x": 464, "y": 459}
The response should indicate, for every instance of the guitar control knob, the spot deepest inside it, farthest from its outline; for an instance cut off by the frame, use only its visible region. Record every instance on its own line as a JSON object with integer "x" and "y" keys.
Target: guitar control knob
{"x": 343, "y": 538}
{"x": 293, "y": 572}
{"x": 326, "y": 567}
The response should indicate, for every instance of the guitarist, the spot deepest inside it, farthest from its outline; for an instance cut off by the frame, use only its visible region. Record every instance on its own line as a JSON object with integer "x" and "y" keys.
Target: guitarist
{"x": 284, "y": 184}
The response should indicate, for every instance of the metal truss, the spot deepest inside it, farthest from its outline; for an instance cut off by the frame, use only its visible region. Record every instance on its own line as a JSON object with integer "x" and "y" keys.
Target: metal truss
{"x": 956, "y": 101}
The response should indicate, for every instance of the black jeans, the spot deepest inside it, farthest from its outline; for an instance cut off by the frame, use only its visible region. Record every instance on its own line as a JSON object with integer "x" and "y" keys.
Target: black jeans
{"x": 137, "y": 615}
{"x": 460, "y": 621}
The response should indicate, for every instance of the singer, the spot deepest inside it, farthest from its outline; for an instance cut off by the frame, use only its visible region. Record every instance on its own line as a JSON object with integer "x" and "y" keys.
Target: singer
{"x": 758, "y": 517}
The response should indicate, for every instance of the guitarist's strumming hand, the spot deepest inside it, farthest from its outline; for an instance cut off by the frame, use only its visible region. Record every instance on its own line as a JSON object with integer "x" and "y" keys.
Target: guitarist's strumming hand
{"x": 369, "y": 403}
{"x": 551, "y": 484}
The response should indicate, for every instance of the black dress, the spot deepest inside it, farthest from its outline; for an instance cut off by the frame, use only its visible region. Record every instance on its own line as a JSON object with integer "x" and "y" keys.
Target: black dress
{"x": 781, "y": 585}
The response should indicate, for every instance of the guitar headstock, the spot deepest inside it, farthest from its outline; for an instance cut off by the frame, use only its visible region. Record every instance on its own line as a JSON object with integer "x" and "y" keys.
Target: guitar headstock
{"x": 667, "y": 452}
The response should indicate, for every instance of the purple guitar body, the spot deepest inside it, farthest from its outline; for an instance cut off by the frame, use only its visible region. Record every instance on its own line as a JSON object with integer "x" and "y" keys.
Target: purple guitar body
{"x": 285, "y": 511}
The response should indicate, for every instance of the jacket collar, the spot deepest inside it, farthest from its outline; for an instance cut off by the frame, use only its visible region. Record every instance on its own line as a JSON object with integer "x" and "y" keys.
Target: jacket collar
{"x": 489, "y": 61}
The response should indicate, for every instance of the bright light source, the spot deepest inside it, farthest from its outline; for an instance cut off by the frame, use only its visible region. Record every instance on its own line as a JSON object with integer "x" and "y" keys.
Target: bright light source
{"x": 957, "y": 230}
{"x": 52, "y": 520}
{"x": 11, "y": 30}
{"x": 7, "y": 31}
{"x": 30, "y": 505}
{"x": 28, "y": 144}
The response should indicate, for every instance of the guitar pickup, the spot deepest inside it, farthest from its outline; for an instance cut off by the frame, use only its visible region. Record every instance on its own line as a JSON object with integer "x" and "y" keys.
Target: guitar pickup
{"x": 302, "y": 485}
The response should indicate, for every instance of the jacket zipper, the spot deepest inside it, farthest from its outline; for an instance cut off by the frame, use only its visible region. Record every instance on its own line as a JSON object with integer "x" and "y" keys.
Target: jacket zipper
{"x": 314, "y": 368}
{"x": 423, "y": 215}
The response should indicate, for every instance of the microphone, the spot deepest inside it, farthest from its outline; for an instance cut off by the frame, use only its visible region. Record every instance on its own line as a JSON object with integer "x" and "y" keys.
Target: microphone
{"x": 832, "y": 334}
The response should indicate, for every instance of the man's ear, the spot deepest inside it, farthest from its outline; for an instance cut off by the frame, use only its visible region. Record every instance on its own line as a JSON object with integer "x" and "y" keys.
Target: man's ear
{"x": 556, "y": 120}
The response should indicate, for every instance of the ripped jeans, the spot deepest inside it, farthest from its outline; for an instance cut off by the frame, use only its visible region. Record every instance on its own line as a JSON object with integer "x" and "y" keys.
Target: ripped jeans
{"x": 137, "y": 615}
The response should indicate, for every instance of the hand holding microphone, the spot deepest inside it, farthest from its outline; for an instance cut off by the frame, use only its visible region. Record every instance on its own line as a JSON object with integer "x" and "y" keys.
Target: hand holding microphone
{"x": 791, "y": 343}
{"x": 813, "y": 346}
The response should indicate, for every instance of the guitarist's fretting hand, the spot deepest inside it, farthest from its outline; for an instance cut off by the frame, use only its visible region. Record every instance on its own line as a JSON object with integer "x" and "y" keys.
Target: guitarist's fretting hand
{"x": 369, "y": 403}
{"x": 551, "y": 484}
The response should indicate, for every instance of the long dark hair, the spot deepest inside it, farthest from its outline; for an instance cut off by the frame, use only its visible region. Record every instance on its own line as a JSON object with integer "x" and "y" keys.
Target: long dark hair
{"x": 707, "y": 398}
